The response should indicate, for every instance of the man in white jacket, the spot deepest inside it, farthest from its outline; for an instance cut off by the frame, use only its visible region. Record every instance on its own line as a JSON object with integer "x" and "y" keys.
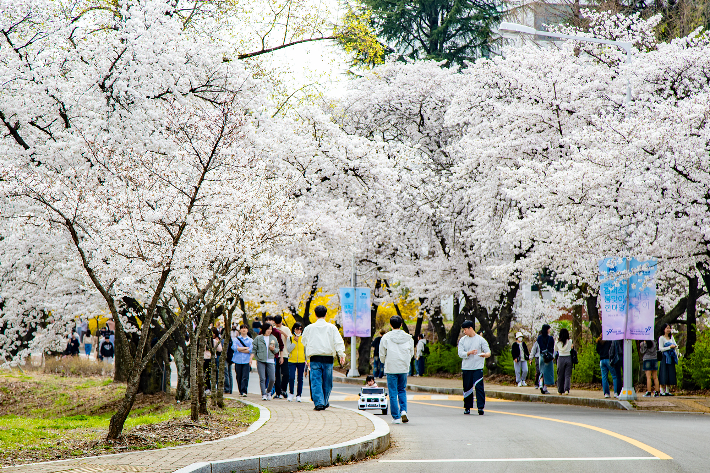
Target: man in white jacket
{"x": 322, "y": 342}
{"x": 396, "y": 352}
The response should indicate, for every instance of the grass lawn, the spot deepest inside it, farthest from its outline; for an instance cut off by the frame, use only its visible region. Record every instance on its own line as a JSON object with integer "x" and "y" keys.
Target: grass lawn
{"x": 48, "y": 417}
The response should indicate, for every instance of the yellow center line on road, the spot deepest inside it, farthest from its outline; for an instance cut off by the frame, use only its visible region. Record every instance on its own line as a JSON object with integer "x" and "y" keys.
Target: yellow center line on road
{"x": 647, "y": 448}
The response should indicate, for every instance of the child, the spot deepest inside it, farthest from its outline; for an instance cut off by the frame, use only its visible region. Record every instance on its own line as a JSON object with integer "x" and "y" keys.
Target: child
{"x": 370, "y": 381}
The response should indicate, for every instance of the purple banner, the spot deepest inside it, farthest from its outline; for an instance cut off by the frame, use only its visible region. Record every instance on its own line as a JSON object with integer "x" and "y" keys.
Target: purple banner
{"x": 613, "y": 292}
{"x": 355, "y": 325}
{"x": 642, "y": 300}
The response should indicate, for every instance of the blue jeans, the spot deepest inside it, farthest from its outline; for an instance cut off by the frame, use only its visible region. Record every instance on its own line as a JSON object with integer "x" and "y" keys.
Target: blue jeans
{"x": 321, "y": 379}
{"x": 397, "y": 388}
{"x": 228, "y": 378}
{"x": 420, "y": 366}
{"x": 87, "y": 349}
{"x": 292, "y": 369}
{"x": 606, "y": 368}
{"x": 379, "y": 368}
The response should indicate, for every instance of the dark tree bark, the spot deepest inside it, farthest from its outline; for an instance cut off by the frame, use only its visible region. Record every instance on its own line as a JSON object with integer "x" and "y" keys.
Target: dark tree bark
{"x": 437, "y": 321}
{"x": 458, "y": 316}
{"x": 577, "y": 313}
{"x": 418, "y": 327}
{"x": 690, "y": 316}
{"x": 595, "y": 323}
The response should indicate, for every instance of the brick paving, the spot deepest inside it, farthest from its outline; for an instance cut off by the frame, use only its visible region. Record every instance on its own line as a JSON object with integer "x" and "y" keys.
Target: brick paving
{"x": 293, "y": 426}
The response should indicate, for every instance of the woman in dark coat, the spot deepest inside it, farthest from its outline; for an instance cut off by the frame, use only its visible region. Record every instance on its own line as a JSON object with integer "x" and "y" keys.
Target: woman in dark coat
{"x": 547, "y": 350}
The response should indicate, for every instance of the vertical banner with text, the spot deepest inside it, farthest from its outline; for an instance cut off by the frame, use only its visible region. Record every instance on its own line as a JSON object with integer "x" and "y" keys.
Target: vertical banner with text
{"x": 613, "y": 297}
{"x": 642, "y": 300}
{"x": 355, "y": 325}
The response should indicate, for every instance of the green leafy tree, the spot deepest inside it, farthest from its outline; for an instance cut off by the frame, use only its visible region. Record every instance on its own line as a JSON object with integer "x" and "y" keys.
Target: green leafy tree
{"x": 453, "y": 31}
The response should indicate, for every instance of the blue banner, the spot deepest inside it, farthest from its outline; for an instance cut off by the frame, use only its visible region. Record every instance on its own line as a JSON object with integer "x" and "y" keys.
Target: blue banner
{"x": 642, "y": 300}
{"x": 613, "y": 289}
{"x": 355, "y": 325}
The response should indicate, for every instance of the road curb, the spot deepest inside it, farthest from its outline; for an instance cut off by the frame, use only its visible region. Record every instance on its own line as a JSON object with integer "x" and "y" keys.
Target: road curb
{"x": 357, "y": 449}
{"x": 511, "y": 396}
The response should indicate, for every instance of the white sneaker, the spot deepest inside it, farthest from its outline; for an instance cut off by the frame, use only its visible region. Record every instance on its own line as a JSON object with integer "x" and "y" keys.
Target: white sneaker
{"x": 298, "y": 398}
{"x": 606, "y": 395}
{"x": 396, "y": 421}
{"x": 404, "y": 417}
{"x": 520, "y": 384}
{"x": 524, "y": 383}
{"x": 264, "y": 398}
{"x": 290, "y": 397}
{"x": 269, "y": 397}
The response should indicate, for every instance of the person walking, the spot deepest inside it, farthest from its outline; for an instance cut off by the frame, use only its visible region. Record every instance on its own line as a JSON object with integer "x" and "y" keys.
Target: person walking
{"x": 228, "y": 373}
{"x": 520, "y": 355}
{"x": 242, "y": 346}
{"x": 420, "y": 355}
{"x": 296, "y": 362}
{"x": 649, "y": 357}
{"x": 603, "y": 347}
{"x": 106, "y": 350}
{"x": 323, "y": 342}
{"x": 266, "y": 349}
{"x": 282, "y": 368}
{"x": 473, "y": 350}
{"x": 546, "y": 345}
{"x": 378, "y": 367}
{"x": 564, "y": 362}
{"x": 669, "y": 351}
{"x": 396, "y": 351}
{"x": 535, "y": 357}
{"x": 88, "y": 343}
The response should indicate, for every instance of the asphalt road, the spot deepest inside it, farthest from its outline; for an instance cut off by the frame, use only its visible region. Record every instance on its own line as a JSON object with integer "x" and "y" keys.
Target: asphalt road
{"x": 515, "y": 436}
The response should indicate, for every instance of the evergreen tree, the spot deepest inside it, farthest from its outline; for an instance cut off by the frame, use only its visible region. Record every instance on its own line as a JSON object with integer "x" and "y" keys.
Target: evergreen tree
{"x": 453, "y": 31}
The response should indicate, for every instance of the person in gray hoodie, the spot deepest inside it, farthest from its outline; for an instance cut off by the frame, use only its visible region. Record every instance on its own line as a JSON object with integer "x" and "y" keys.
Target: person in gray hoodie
{"x": 396, "y": 352}
{"x": 473, "y": 349}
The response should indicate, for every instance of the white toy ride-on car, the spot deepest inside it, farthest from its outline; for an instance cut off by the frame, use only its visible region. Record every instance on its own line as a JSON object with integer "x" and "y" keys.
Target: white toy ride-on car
{"x": 373, "y": 398}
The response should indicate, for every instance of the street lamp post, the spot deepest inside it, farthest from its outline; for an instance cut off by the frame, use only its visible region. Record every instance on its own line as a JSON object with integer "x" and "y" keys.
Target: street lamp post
{"x": 354, "y": 373}
{"x": 627, "y": 392}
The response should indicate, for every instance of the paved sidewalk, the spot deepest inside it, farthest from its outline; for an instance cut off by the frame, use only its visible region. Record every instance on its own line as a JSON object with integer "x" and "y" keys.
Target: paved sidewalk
{"x": 292, "y": 426}
{"x": 697, "y": 404}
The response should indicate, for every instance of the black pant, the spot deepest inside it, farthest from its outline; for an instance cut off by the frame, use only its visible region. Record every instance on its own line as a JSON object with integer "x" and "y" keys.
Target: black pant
{"x": 242, "y": 372}
{"x": 473, "y": 379}
{"x": 281, "y": 383}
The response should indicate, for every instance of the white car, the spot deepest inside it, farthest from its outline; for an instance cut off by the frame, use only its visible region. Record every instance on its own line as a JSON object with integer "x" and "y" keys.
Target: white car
{"x": 373, "y": 398}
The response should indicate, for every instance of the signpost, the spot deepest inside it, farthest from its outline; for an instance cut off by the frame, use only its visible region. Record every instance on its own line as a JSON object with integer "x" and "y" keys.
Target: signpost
{"x": 628, "y": 291}
{"x": 355, "y": 308}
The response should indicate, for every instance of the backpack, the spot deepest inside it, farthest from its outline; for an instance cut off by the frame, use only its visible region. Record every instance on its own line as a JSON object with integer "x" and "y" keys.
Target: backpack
{"x": 425, "y": 350}
{"x": 575, "y": 357}
{"x": 230, "y": 352}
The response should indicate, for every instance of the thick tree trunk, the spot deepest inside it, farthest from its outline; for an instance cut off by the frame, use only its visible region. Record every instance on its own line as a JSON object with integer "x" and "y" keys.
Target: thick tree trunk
{"x": 690, "y": 316}
{"x": 458, "y": 314}
{"x": 437, "y": 321}
{"x": 182, "y": 364}
{"x": 121, "y": 362}
{"x": 115, "y": 426}
{"x": 418, "y": 327}
{"x": 595, "y": 323}
{"x": 195, "y": 385}
{"x": 577, "y": 313}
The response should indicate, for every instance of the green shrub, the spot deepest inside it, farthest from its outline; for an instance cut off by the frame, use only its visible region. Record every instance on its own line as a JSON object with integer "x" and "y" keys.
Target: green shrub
{"x": 443, "y": 358}
{"x": 587, "y": 370}
{"x": 697, "y": 366}
{"x": 505, "y": 362}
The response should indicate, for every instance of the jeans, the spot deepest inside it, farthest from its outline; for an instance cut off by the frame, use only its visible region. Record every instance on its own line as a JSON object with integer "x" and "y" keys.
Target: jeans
{"x": 420, "y": 366}
{"x": 379, "y": 368}
{"x": 606, "y": 368}
{"x": 242, "y": 371}
{"x": 282, "y": 376}
{"x": 266, "y": 377}
{"x": 521, "y": 370}
{"x": 321, "y": 379}
{"x": 397, "y": 388}
{"x": 292, "y": 368}
{"x": 87, "y": 349}
{"x": 618, "y": 379}
{"x": 228, "y": 378}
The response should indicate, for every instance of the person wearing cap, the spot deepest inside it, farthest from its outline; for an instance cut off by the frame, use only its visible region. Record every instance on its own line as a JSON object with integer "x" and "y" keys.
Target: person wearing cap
{"x": 520, "y": 359}
{"x": 473, "y": 350}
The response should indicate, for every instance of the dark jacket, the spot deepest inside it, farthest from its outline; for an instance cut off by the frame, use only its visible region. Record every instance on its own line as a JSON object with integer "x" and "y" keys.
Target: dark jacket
{"x": 106, "y": 349}
{"x": 546, "y": 342}
{"x": 376, "y": 346}
{"x": 603, "y": 347}
{"x": 616, "y": 352}
{"x": 515, "y": 351}
{"x": 72, "y": 347}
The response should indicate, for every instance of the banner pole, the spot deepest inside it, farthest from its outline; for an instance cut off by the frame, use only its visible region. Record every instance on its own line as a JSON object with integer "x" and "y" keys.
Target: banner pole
{"x": 353, "y": 373}
{"x": 628, "y": 393}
